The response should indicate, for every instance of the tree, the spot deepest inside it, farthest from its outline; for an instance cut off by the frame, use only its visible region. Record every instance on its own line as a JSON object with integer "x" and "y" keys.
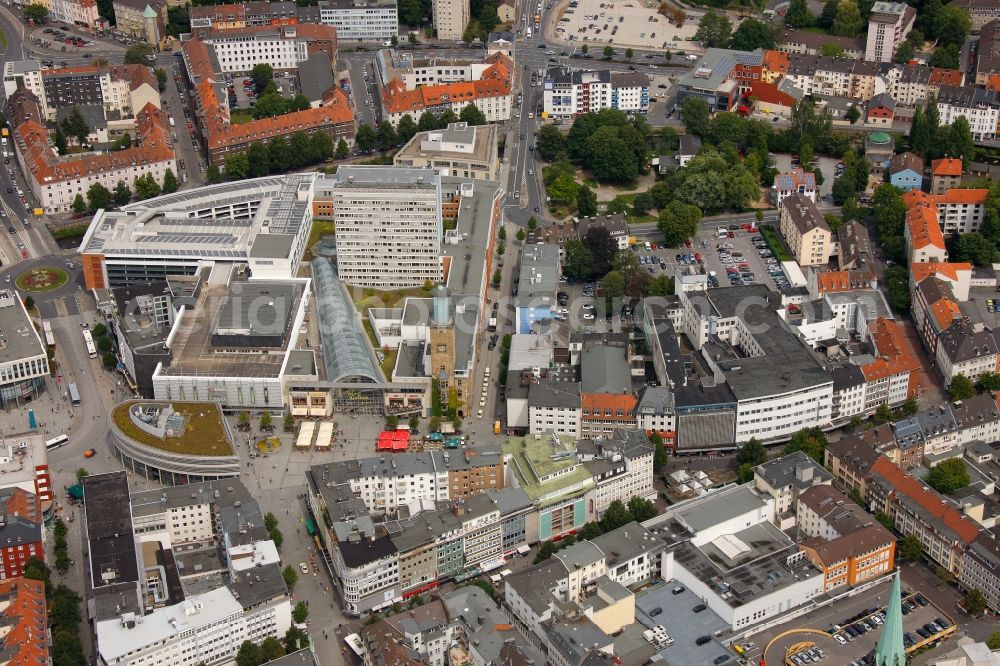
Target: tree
{"x": 271, "y": 649}
{"x": 695, "y": 114}
{"x": 411, "y": 13}
{"x": 122, "y": 193}
{"x": 744, "y": 473}
{"x": 752, "y": 453}
{"x": 948, "y": 476}
{"x": 848, "y": 21}
{"x": 178, "y": 21}
{"x": 37, "y": 13}
{"x": 549, "y": 143}
{"x": 608, "y": 52}
{"x": 386, "y": 135}
{"x": 406, "y": 128}
{"x": 882, "y": 518}
{"x": 641, "y": 509}
{"x": 59, "y": 139}
{"x": 714, "y": 29}
{"x": 615, "y": 516}
{"x": 897, "y": 281}
{"x": 952, "y": 25}
{"x": 161, "y": 78}
{"x": 265, "y": 420}
{"x": 579, "y": 263}
{"x": 262, "y": 74}
{"x": 146, "y": 187}
{"x": 75, "y": 126}
{"x": 678, "y": 222}
{"x": 752, "y": 34}
{"x": 342, "y": 150}
{"x": 391, "y": 422}
{"x": 586, "y": 202}
{"x": 910, "y": 548}
{"x": 427, "y": 122}
{"x": 993, "y": 642}
{"x": 948, "y": 56}
{"x": 961, "y": 388}
{"x": 910, "y": 407}
{"x": 602, "y": 247}
{"x": 661, "y": 285}
{"x": 296, "y": 639}
{"x": 975, "y": 248}
{"x": 170, "y": 183}
{"x": 520, "y": 235}
{"x": 99, "y": 197}
{"x": 959, "y": 142}
{"x": 660, "y": 454}
{"x": 139, "y": 54}
{"x": 883, "y": 414}
{"x": 975, "y": 603}
{"x": 798, "y": 14}
{"x": 532, "y": 223}
{"x": 609, "y": 156}
{"x": 811, "y": 441}
{"x": 79, "y": 205}
{"x": 414, "y": 422}
{"x": 989, "y": 381}
{"x": 613, "y": 285}
{"x": 248, "y": 655}
{"x": 853, "y": 114}
{"x": 365, "y": 138}
{"x": 829, "y": 14}
{"x": 213, "y": 174}
{"x": 472, "y": 114}
{"x": 290, "y": 575}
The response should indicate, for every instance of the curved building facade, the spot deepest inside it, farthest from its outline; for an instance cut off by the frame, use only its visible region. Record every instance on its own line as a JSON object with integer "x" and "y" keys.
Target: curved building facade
{"x": 170, "y": 460}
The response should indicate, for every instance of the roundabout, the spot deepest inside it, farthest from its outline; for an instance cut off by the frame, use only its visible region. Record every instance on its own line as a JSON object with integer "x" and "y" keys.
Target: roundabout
{"x": 41, "y": 279}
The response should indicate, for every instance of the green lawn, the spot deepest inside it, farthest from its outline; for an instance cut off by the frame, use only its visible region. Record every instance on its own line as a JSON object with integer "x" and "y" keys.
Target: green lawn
{"x": 770, "y": 234}
{"x": 319, "y": 229}
{"x": 3, "y": 39}
{"x": 204, "y": 434}
{"x": 239, "y": 117}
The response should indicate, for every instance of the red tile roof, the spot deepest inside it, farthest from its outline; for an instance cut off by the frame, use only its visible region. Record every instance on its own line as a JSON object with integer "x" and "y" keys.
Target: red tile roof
{"x": 933, "y": 503}
{"x": 894, "y": 354}
{"x": 25, "y": 621}
{"x": 923, "y": 226}
{"x": 919, "y": 271}
{"x": 776, "y": 61}
{"x": 948, "y": 166}
{"x": 834, "y": 281}
{"x": 962, "y": 196}
{"x": 136, "y": 75}
{"x": 946, "y": 77}
{"x": 46, "y": 167}
{"x": 494, "y": 82}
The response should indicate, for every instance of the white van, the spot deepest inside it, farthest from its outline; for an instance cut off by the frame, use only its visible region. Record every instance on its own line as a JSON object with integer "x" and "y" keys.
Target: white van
{"x": 648, "y": 246}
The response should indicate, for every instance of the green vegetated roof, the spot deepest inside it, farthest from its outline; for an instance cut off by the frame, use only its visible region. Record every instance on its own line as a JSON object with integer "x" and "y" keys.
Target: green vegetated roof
{"x": 533, "y": 457}
{"x": 204, "y": 432}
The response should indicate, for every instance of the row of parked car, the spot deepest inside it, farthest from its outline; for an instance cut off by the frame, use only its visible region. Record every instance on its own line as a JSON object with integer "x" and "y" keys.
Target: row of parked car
{"x": 809, "y": 656}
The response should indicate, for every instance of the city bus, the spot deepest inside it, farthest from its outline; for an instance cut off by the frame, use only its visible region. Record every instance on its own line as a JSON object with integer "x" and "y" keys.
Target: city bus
{"x": 56, "y": 442}
{"x": 74, "y": 394}
{"x": 88, "y": 339}
{"x": 50, "y": 339}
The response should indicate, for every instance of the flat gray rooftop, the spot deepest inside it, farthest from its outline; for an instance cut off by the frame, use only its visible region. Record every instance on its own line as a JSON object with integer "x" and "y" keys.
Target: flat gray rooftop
{"x": 682, "y": 624}
{"x": 18, "y": 337}
{"x": 272, "y": 246}
{"x": 705, "y": 512}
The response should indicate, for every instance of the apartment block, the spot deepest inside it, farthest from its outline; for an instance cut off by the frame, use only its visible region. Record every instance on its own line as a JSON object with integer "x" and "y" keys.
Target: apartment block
{"x": 888, "y": 25}
{"x": 805, "y": 230}
{"x": 460, "y": 150}
{"x": 920, "y": 511}
{"x": 842, "y": 539}
{"x": 797, "y": 181}
{"x": 451, "y": 17}
{"x": 786, "y": 478}
{"x": 980, "y": 568}
{"x": 389, "y": 228}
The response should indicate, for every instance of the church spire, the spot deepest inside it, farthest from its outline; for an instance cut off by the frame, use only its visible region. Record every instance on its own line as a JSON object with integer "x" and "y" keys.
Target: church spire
{"x": 890, "y": 650}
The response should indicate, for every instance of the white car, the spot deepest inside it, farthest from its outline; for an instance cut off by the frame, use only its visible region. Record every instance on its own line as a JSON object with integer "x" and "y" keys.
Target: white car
{"x": 587, "y": 316}
{"x": 303, "y": 567}
{"x": 479, "y": 414}
{"x": 840, "y": 639}
{"x": 482, "y": 402}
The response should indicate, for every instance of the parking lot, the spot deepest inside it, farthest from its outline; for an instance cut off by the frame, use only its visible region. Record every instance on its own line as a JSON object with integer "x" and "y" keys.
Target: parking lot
{"x": 626, "y": 23}
{"x": 242, "y": 95}
{"x": 689, "y": 624}
{"x": 853, "y": 625}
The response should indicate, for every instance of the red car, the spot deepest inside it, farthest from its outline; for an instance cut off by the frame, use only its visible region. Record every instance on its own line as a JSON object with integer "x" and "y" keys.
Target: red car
{"x": 687, "y": 243}
{"x": 731, "y": 234}
{"x": 746, "y": 226}
{"x": 697, "y": 256}
{"x": 24, "y": 254}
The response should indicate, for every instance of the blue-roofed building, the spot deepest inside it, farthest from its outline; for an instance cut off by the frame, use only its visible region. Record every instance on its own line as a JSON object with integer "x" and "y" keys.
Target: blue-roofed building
{"x": 798, "y": 181}
{"x": 906, "y": 171}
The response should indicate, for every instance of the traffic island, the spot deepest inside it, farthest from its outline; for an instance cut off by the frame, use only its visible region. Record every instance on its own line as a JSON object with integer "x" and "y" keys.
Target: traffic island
{"x": 41, "y": 279}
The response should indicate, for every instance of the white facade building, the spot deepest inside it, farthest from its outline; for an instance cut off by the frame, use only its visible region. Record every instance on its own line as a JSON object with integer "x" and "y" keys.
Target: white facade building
{"x": 388, "y": 223}
{"x": 888, "y": 25}
{"x": 568, "y": 94}
{"x": 239, "y": 51}
{"x": 451, "y": 17}
{"x": 361, "y": 19}
{"x": 980, "y": 107}
{"x": 206, "y": 628}
{"x": 76, "y": 12}
{"x": 24, "y": 362}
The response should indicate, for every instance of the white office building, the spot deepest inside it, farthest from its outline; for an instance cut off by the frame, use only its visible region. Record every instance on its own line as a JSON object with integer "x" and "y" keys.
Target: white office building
{"x": 451, "y": 17}
{"x": 24, "y": 363}
{"x": 568, "y": 94}
{"x": 361, "y": 19}
{"x": 239, "y": 50}
{"x": 388, "y": 223}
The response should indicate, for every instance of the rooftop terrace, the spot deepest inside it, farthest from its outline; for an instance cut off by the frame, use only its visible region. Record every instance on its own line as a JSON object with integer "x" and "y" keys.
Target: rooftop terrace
{"x": 204, "y": 432}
